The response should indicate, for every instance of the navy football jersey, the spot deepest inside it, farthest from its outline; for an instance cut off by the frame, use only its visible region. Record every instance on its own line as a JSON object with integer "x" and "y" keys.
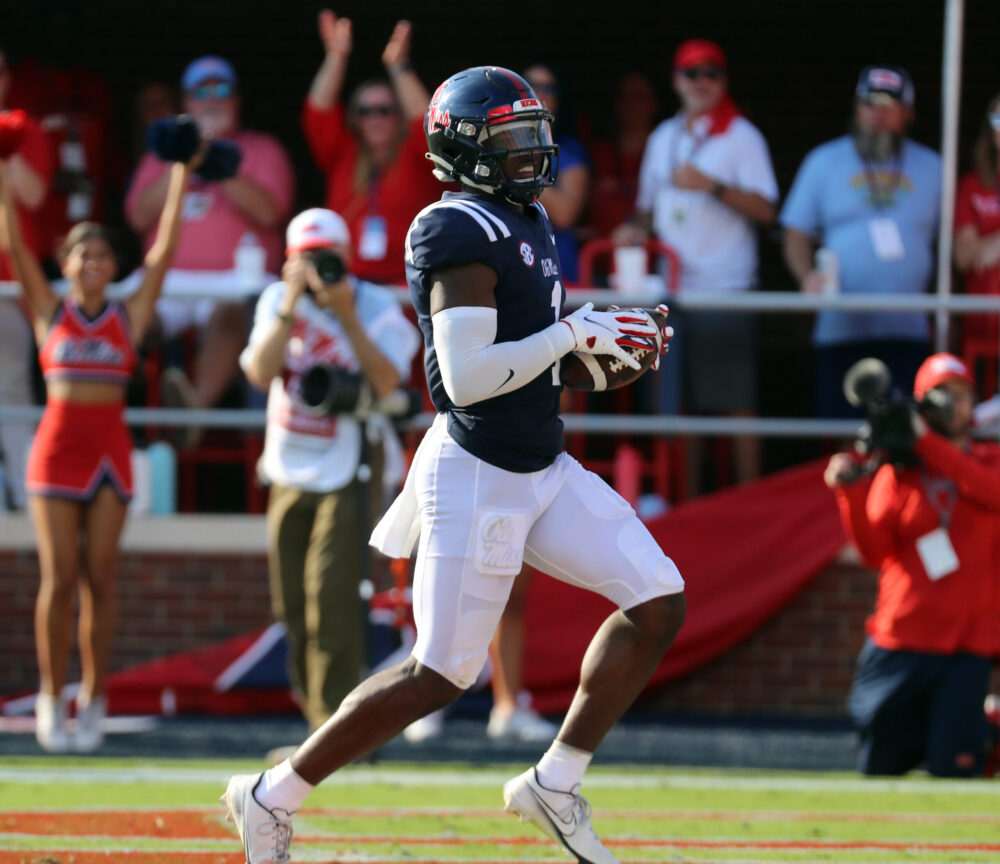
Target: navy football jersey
{"x": 521, "y": 430}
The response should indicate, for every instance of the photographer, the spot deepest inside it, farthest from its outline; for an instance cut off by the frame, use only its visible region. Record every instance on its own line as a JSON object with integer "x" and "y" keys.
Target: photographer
{"x": 318, "y": 316}
{"x": 929, "y": 525}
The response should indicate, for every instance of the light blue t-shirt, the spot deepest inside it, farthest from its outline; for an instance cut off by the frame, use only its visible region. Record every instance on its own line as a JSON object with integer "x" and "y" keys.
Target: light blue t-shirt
{"x": 831, "y": 198}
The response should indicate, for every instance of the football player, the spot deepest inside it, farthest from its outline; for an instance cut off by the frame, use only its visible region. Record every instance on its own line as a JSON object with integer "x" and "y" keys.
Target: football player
{"x": 490, "y": 486}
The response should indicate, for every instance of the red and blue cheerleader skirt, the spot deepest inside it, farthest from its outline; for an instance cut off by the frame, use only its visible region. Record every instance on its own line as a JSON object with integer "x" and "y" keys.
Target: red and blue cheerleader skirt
{"x": 79, "y": 447}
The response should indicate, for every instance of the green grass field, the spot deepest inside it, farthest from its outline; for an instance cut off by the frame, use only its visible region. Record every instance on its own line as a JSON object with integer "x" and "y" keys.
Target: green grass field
{"x": 82, "y": 811}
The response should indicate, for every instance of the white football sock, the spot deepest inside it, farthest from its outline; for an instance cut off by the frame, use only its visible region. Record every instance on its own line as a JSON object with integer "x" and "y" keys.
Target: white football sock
{"x": 282, "y": 787}
{"x": 562, "y": 767}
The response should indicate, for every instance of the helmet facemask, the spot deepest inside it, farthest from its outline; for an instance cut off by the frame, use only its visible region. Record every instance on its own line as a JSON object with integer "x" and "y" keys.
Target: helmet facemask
{"x": 518, "y": 158}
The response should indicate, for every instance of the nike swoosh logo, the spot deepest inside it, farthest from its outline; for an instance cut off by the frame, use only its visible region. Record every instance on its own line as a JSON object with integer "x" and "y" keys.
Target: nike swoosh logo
{"x": 510, "y": 374}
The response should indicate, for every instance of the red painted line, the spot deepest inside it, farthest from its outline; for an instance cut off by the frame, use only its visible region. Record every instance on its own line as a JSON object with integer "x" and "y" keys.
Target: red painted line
{"x": 114, "y": 823}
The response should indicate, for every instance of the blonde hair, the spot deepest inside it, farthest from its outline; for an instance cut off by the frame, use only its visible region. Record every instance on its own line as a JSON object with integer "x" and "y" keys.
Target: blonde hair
{"x": 984, "y": 151}
{"x": 364, "y": 170}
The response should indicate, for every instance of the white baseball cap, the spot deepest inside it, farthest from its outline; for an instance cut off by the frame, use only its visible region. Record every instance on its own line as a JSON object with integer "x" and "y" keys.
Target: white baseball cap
{"x": 316, "y": 228}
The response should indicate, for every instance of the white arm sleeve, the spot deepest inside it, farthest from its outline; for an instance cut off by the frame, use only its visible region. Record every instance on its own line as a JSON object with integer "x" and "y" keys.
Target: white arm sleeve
{"x": 474, "y": 368}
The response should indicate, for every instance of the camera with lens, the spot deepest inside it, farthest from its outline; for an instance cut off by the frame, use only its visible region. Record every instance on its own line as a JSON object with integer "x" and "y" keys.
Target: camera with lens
{"x": 887, "y": 436}
{"x": 329, "y": 265}
{"x": 328, "y": 391}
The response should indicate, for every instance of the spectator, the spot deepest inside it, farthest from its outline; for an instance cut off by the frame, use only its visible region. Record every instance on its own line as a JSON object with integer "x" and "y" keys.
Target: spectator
{"x": 872, "y": 197}
{"x": 154, "y": 101}
{"x": 930, "y": 530}
{"x": 72, "y": 103}
{"x": 617, "y": 158}
{"x": 977, "y": 229}
{"x": 705, "y": 185}
{"x": 317, "y": 524}
{"x": 79, "y": 473}
{"x": 566, "y": 199}
{"x": 510, "y": 717}
{"x": 372, "y": 150}
{"x": 218, "y": 217}
{"x": 29, "y": 171}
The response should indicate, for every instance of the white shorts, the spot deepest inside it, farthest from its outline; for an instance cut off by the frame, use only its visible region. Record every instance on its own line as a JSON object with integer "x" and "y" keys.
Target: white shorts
{"x": 178, "y": 314}
{"x": 479, "y": 522}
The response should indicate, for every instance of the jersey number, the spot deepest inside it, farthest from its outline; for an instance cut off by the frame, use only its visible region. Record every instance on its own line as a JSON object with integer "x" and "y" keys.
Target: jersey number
{"x": 556, "y": 303}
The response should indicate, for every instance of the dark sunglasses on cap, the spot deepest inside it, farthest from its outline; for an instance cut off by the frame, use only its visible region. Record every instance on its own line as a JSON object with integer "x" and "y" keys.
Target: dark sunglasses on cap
{"x": 712, "y": 73}
{"x": 376, "y": 110}
{"x": 219, "y": 90}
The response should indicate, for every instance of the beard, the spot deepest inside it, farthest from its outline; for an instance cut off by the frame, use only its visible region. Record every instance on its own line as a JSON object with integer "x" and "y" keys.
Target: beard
{"x": 876, "y": 145}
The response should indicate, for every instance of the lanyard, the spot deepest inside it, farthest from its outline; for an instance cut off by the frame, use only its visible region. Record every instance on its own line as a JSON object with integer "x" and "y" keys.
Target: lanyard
{"x": 673, "y": 157}
{"x": 879, "y": 197}
{"x": 942, "y": 494}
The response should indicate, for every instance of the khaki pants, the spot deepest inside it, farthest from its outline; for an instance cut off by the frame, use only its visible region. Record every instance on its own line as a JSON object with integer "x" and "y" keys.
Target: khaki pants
{"x": 315, "y": 545}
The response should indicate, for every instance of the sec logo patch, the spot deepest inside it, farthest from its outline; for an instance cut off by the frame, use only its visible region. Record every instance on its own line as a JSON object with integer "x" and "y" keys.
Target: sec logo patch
{"x": 527, "y": 254}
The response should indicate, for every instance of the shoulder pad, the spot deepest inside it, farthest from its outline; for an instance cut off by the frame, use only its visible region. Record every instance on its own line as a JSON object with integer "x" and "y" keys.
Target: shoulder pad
{"x": 453, "y": 232}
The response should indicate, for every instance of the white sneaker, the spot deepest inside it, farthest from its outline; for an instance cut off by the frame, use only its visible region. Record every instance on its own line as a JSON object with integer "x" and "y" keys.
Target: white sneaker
{"x": 266, "y": 834}
{"x": 523, "y": 725}
{"x": 50, "y": 723}
{"x": 564, "y": 816}
{"x": 426, "y": 728}
{"x": 89, "y": 715}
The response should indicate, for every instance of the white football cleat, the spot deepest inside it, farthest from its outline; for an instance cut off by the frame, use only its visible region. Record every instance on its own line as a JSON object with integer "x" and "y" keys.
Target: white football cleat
{"x": 266, "y": 834}
{"x": 50, "y": 723}
{"x": 564, "y": 816}
{"x": 89, "y": 716}
{"x": 521, "y": 725}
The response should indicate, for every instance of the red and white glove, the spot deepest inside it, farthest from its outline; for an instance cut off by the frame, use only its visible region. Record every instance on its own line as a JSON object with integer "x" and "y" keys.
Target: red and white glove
{"x": 611, "y": 332}
{"x": 11, "y": 132}
{"x": 664, "y": 333}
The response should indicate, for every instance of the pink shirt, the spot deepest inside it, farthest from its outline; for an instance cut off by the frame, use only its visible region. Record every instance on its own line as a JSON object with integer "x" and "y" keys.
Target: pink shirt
{"x": 212, "y": 225}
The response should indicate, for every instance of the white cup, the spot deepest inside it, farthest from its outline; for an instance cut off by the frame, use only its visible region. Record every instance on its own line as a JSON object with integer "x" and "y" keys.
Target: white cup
{"x": 630, "y": 269}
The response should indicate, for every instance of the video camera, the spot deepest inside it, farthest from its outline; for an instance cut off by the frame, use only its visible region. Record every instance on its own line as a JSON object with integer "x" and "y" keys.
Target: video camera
{"x": 887, "y": 436}
{"x": 328, "y": 391}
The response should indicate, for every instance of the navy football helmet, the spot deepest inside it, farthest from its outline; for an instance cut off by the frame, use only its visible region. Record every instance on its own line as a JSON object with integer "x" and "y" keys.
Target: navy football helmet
{"x": 487, "y": 129}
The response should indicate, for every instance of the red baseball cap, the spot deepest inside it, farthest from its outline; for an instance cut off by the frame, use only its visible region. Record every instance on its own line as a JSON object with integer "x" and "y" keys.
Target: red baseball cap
{"x": 938, "y": 369}
{"x": 694, "y": 52}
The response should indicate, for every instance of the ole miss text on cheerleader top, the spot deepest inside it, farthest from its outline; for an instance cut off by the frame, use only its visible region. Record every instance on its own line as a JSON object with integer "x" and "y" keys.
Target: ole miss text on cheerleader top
{"x": 82, "y": 350}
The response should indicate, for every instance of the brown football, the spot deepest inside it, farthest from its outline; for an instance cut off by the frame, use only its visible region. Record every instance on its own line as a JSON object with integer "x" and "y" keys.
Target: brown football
{"x": 606, "y": 372}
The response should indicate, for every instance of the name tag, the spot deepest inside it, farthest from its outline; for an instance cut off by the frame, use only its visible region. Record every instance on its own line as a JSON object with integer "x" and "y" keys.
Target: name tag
{"x": 374, "y": 242}
{"x": 937, "y": 554}
{"x": 886, "y": 239}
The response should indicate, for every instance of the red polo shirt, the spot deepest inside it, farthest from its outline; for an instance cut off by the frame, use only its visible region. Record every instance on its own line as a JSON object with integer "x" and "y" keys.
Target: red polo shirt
{"x": 399, "y": 192}
{"x": 885, "y": 517}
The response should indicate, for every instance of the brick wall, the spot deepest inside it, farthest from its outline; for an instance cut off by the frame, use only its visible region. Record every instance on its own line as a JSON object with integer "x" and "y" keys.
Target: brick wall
{"x": 167, "y": 603}
{"x": 799, "y": 663}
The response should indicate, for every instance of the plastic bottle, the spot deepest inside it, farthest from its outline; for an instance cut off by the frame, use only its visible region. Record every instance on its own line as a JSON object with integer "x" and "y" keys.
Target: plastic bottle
{"x": 249, "y": 260}
{"x": 829, "y": 266}
{"x": 163, "y": 478}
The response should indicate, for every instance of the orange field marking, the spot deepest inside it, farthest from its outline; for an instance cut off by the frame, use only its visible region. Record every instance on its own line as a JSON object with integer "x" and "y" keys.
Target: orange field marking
{"x": 116, "y": 823}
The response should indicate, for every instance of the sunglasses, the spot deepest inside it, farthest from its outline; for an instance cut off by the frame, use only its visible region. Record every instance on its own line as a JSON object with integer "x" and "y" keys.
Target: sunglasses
{"x": 376, "y": 110}
{"x": 220, "y": 90}
{"x": 995, "y": 121}
{"x": 712, "y": 73}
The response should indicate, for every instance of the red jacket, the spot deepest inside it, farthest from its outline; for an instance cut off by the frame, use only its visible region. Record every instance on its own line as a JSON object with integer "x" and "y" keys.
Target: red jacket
{"x": 401, "y": 191}
{"x": 885, "y": 516}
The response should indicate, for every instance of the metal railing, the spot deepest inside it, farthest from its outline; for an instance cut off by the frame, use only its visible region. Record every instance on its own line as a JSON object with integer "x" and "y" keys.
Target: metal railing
{"x": 756, "y": 301}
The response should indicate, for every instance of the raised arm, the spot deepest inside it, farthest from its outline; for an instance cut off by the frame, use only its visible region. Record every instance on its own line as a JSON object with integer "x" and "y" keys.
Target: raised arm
{"x": 39, "y": 294}
{"x": 141, "y": 304}
{"x": 409, "y": 89}
{"x": 326, "y": 87}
